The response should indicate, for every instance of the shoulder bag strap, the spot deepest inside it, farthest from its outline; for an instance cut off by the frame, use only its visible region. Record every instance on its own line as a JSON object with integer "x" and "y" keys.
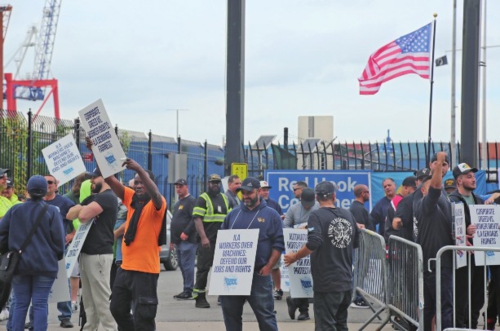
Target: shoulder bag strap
{"x": 33, "y": 229}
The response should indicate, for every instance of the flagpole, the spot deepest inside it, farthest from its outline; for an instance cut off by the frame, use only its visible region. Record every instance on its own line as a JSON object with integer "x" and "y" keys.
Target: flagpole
{"x": 432, "y": 84}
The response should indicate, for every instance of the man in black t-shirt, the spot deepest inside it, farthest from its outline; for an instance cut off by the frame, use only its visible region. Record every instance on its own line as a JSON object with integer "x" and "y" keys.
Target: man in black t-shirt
{"x": 96, "y": 255}
{"x": 183, "y": 236}
{"x": 333, "y": 235}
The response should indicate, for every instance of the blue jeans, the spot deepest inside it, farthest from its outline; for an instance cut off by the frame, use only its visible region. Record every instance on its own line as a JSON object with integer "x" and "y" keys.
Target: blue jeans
{"x": 186, "y": 254}
{"x": 34, "y": 289}
{"x": 261, "y": 300}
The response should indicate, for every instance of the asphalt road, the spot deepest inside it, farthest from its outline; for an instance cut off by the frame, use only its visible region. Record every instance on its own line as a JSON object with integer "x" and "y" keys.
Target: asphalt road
{"x": 182, "y": 315}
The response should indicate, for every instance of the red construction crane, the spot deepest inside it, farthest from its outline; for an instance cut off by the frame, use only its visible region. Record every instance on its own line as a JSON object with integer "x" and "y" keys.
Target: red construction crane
{"x": 34, "y": 89}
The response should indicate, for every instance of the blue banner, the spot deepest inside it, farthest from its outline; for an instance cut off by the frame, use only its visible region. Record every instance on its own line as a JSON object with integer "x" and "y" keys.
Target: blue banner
{"x": 282, "y": 182}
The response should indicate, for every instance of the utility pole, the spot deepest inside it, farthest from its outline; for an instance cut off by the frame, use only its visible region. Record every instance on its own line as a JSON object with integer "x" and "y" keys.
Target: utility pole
{"x": 235, "y": 83}
{"x": 177, "y": 120}
{"x": 470, "y": 81}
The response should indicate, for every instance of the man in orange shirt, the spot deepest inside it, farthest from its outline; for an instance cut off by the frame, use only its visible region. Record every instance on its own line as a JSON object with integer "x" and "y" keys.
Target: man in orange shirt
{"x": 136, "y": 280}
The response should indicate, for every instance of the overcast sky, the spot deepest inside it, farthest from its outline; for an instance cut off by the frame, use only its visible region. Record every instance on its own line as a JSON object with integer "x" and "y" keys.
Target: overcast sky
{"x": 303, "y": 57}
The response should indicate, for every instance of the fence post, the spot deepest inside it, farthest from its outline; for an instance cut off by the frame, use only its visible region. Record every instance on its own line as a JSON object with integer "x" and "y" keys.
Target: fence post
{"x": 77, "y": 132}
{"x": 30, "y": 145}
{"x": 150, "y": 151}
{"x": 205, "y": 171}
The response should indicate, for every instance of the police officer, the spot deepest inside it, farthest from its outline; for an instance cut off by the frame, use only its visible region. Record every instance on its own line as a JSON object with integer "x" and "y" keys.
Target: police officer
{"x": 209, "y": 212}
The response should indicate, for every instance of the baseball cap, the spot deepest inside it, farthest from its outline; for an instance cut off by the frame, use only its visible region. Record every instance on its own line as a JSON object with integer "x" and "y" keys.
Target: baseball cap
{"x": 449, "y": 183}
{"x": 10, "y": 182}
{"x": 307, "y": 198}
{"x": 434, "y": 158}
{"x": 249, "y": 184}
{"x": 462, "y": 169}
{"x": 325, "y": 189}
{"x": 37, "y": 186}
{"x": 422, "y": 173}
{"x": 180, "y": 181}
{"x": 96, "y": 173}
{"x": 264, "y": 184}
{"x": 410, "y": 181}
{"x": 214, "y": 178}
{"x": 3, "y": 172}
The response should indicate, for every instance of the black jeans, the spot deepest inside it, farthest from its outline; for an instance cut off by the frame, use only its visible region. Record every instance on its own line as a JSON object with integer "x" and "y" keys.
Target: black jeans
{"x": 302, "y": 304}
{"x": 136, "y": 290}
{"x": 446, "y": 298}
{"x": 330, "y": 310}
{"x": 462, "y": 295}
{"x": 203, "y": 264}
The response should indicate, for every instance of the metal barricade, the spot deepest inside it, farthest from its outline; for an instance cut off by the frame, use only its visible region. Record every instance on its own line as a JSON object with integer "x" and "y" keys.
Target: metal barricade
{"x": 370, "y": 272}
{"x": 463, "y": 249}
{"x": 406, "y": 296}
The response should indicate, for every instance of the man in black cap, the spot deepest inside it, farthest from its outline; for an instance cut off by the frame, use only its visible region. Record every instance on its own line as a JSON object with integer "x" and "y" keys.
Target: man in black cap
{"x": 466, "y": 183}
{"x": 297, "y": 217}
{"x": 255, "y": 214}
{"x": 209, "y": 212}
{"x": 183, "y": 235}
{"x": 332, "y": 237}
{"x": 8, "y": 192}
{"x": 450, "y": 185}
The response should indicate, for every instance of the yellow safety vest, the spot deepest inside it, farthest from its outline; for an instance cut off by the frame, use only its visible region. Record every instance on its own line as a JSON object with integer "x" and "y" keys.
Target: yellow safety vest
{"x": 208, "y": 213}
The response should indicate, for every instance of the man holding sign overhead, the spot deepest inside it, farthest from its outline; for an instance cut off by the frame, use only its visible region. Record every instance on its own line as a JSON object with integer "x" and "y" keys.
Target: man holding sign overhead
{"x": 136, "y": 282}
{"x": 255, "y": 214}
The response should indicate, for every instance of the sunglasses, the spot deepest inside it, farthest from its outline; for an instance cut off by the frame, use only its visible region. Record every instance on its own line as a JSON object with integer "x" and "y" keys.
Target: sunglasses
{"x": 50, "y": 182}
{"x": 297, "y": 188}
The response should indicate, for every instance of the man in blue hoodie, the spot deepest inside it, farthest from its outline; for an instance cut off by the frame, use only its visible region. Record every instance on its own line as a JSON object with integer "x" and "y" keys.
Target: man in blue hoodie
{"x": 255, "y": 214}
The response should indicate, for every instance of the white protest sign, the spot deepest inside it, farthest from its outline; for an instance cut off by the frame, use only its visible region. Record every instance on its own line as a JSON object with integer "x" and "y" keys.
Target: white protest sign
{"x": 460, "y": 235}
{"x": 107, "y": 149}
{"x": 301, "y": 283}
{"x": 63, "y": 159}
{"x": 234, "y": 262}
{"x": 60, "y": 289}
{"x": 486, "y": 218}
{"x": 76, "y": 246}
{"x": 285, "y": 279}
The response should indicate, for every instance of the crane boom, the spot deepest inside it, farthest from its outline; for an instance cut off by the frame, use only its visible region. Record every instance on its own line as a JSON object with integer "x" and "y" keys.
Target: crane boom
{"x": 46, "y": 39}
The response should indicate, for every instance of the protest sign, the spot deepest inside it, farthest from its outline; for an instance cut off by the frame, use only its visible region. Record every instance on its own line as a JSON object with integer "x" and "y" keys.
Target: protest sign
{"x": 234, "y": 262}
{"x": 486, "y": 218}
{"x": 107, "y": 149}
{"x": 63, "y": 159}
{"x": 285, "y": 279}
{"x": 76, "y": 246}
{"x": 60, "y": 289}
{"x": 460, "y": 235}
{"x": 301, "y": 282}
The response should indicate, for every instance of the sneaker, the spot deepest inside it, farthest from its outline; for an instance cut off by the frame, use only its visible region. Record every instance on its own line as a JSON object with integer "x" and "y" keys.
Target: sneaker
{"x": 303, "y": 316}
{"x": 218, "y": 301}
{"x": 360, "y": 303}
{"x": 66, "y": 324}
{"x": 184, "y": 296}
{"x": 278, "y": 294}
{"x": 74, "y": 305}
{"x": 4, "y": 315}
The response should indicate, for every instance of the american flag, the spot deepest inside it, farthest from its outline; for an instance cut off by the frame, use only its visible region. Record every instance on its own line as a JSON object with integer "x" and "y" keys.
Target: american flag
{"x": 409, "y": 54}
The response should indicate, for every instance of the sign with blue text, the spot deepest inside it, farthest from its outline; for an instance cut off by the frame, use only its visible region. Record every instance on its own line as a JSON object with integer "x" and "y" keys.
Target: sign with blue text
{"x": 106, "y": 146}
{"x": 282, "y": 182}
{"x": 76, "y": 245}
{"x": 63, "y": 159}
{"x": 299, "y": 272}
{"x": 486, "y": 218}
{"x": 234, "y": 262}
{"x": 460, "y": 235}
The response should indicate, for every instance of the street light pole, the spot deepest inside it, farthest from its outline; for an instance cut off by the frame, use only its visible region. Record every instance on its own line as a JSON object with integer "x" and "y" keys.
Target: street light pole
{"x": 177, "y": 120}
